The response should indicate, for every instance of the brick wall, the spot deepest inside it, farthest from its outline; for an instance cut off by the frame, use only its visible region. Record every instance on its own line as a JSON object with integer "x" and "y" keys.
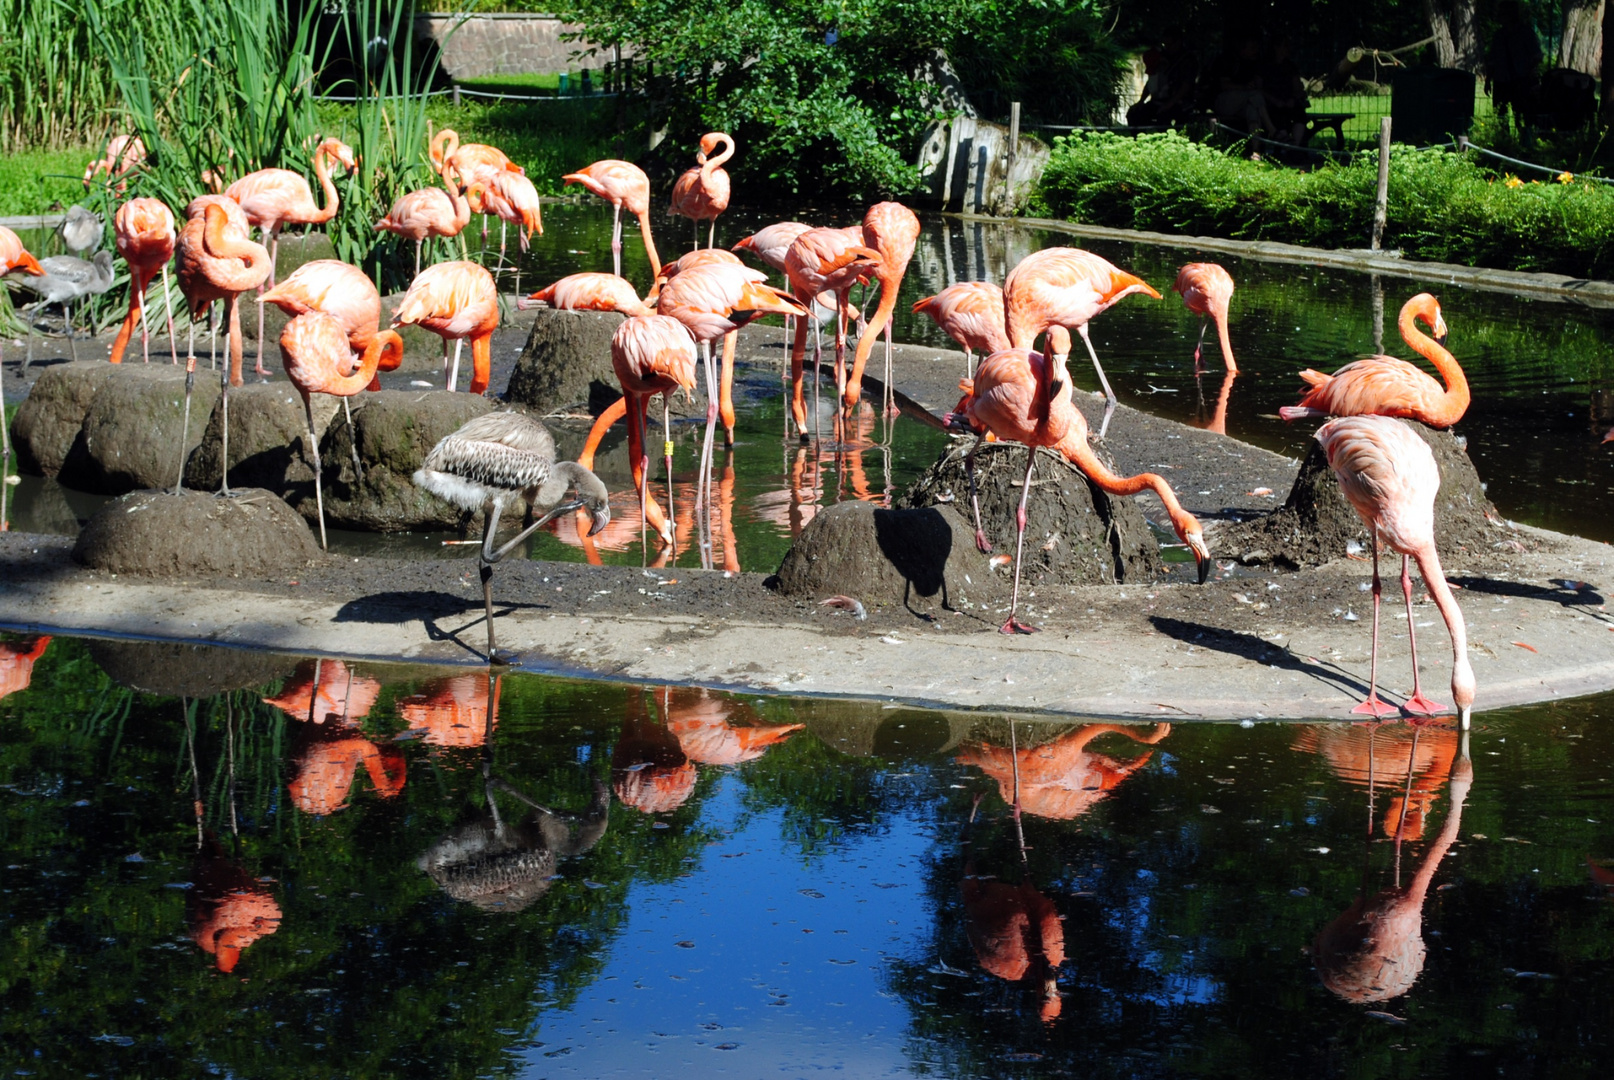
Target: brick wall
{"x": 503, "y": 44}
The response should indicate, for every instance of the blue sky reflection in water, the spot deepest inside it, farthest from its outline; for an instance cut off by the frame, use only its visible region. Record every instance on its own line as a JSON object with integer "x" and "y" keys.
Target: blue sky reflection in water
{"x": 821, "y": 903}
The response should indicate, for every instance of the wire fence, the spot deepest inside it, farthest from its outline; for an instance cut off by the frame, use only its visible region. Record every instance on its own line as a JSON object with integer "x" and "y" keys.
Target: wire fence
{"x": 453, "y": 93}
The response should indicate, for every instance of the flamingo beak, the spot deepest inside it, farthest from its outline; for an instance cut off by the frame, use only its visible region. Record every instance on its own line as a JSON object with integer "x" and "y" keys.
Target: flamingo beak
{"x": 1204, "y": 568}
{"x": 601, "y": 518}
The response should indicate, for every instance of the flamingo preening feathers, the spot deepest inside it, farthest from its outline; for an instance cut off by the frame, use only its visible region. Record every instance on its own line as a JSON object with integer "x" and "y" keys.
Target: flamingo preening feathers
{"x": 145, "y": 237}
{"x": 702, "y": 193}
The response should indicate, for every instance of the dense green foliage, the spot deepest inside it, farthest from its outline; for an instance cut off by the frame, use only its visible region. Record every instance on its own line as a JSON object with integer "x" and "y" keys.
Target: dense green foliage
{"x": 1442, "y": 205}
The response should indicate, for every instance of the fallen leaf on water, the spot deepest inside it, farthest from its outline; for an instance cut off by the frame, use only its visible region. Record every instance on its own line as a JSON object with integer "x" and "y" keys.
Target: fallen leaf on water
{"x": 1388, "y": 1018}
{"x": 1522, "y": 645}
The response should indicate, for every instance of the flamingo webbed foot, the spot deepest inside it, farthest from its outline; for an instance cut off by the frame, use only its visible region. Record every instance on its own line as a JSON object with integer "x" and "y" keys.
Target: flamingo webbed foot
{"x": 1374, "y": 707}
{"x": 982, "y": 544}
{"x": 1418, "y": 705}
{"x": 1015, "y": 626}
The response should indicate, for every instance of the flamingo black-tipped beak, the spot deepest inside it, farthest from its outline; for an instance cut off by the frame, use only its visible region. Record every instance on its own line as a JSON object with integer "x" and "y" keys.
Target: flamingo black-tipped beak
{"x": 1204, "y": 569}
{"x": 1440, "y": 339}
{"x": 601, "y": 519}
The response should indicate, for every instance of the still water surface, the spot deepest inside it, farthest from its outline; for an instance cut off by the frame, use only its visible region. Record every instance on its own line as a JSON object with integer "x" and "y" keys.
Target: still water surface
{"x": 386, "y": 878}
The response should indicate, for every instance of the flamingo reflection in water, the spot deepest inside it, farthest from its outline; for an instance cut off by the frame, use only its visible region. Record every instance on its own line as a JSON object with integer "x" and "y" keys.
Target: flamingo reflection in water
{"x": 1015, "y": 930}
{"x": 451, "y": 712}
{"x": 1061, "y": 779}
{"x": 1410, "y": 764}
{"x": 1374, "y": 951}
{"x": 328, "y": 746}
{"x": 793, "y": 506}
{"x": 623, "y": 532}
{"x": 17, "y": 663}
{"x": 227, "y": 908}
{"x": 653, "y": 763}
{"x": 504, "y": 865}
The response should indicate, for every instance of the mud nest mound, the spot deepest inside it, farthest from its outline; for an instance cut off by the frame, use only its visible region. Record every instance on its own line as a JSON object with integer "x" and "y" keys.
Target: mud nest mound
{"x": 1076, "y": 534}
{"x": 176, "y": 669}
{"x": 192, "y": 534}
{"x": 1315, "y": 523}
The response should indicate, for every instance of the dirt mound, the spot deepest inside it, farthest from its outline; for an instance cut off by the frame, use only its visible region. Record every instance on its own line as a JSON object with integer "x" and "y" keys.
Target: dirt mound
{"x": 1076, "y": 534}
{"x": 268, "y": 438}
{"x": 1315, "y": 523}
{"x": 130, "y": 436}
{"x": 175, "y": 669}
{"x": 158, "y": 534}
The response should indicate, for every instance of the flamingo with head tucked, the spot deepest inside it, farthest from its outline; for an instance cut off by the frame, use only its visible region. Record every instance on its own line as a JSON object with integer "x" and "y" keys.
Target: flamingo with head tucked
{"x": 971, "y": 313}
{"x": 145, "y": 235}
{"x": 702, "y": 192}
{"x": 625, "y": 186}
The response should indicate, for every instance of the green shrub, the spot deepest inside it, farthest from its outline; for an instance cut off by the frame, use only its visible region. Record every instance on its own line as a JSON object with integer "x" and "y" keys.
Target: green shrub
{"x": 1443, "y": 206}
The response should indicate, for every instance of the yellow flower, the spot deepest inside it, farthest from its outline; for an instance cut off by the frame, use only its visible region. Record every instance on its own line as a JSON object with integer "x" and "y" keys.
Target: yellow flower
{"x": 1512, "y": 181}
{"x": 1566, "y": 178}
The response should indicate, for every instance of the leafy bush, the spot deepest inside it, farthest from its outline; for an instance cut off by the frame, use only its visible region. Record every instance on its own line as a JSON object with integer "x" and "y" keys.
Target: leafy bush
{"x": 1443, "y": 206}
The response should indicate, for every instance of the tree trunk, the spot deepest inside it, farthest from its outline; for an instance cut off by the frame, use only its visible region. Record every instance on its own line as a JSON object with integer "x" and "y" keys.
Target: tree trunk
{"x": 1582, "y": 48}
{"x": 1456, "y": 33}
{"x": 1608, "y": 65}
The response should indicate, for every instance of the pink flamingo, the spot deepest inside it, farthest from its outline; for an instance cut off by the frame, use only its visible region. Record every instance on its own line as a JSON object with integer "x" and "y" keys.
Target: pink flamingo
{"x": 625, "y": 186}
{"x": 455, "y": 301}
{"x": 702, "y": 192}
{"x": 145, "y": 237}
{"x": 971, "y": 313}
{"x": 891, "y": 229}
{"x": 124, "y": 153}
{"x": 430, "y": 211}
{"x": 274, "y": 198}
{"x": 13, "y": 256}
{"x": 1205, "y": 289}
{"x": 1385, "y": 386}
{"x": 1389, "y": 475}
{"x": 510, "y": 197}
{"x": 824, "y": 260}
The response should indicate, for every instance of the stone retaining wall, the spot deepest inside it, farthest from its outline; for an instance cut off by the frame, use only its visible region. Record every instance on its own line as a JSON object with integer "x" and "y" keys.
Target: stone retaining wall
{"x": 477, "y": 45}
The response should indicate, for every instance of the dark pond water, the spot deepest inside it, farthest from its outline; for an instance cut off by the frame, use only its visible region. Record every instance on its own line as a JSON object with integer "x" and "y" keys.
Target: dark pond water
{"x": 720, "y": 885}
{"x": 1541, "y": 374}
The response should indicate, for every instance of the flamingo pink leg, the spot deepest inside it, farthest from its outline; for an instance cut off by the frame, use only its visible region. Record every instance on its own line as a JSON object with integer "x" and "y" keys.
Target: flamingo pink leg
{"x": 1417, "y": 704}
{"x": 1373, "y": 706}
{"x": 1014, "y": 625}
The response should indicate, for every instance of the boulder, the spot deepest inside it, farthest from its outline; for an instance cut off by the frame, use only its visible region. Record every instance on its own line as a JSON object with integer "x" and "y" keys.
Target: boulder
{"x": 268, "y": 439}
{"x": 1315, "y": 523}
{"x": 49, "y": 421}
{"x": 175, "y": 669}
{"x": 567, "y": 362}
{"x": 130, "y": 437}
{"x": 1076, "y": 534}
{"x": 193, "y": 534}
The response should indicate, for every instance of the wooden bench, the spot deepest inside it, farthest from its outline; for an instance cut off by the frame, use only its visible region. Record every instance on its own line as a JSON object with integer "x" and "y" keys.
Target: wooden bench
{"x": 1335, "y": 122}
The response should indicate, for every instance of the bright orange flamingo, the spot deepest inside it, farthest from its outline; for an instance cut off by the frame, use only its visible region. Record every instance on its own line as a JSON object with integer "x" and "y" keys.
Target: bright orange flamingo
{"x": 1024, "y": 396}
{"x": 1388, "y": 474}
{"x": 1410, "y": 762}
{"x": 325, "y": 762}
{"x": 144, "y": 230}
{"x": 971, "y": 313}
{"x": 1068, "y": 287}
{"x": 1374, "y": 951}
{"x": 1062, "y": 779}
{"x": 17, "y": 660}
{"x": 1385, "y": 386}
{"x": 228, "y": 909}
{"x": 326, "y": 691}
{"x": 702, "y": 193}
{"x": 275, "y": 198}
{"x": 824, "y": 260}
{"x": 217, "y": 261}
{"x": 1206, "y": 289}
{"x": 891, "y": 229}
{"x": 452, "y": 711}
{"x": 455, "y": 301}
{"x": 124, "y": 153}
{"x": 512, "y": 198}
{"x": 315, "y": 350}
{"x": 625, "y": 186}
{"x": 13, "y": 256}
{"x": 701, "y": 722}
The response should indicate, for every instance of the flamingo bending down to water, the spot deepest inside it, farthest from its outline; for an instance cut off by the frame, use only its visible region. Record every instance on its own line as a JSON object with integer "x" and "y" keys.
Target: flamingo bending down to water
{"x": 1025, "y": 396}
{"x": 824, "y": 260}
{"x": 1385, "y": 386}
{"x": 1389, "y": 475}
{"x": 146, "y": 239}
{"x": 1068, "y": 287}
{"x": 315, "y": 350}
{"x": 455, "y": 301}
{"x": 892, "y": 230}
{"x": 274, "y": 198}
{"x": 625, "y": 186}
{"x": 971, "y": 313}
{"x": 217, "y": 261}
{"x": 512, "y": 198}
{"x": 496, "y": 458}
{"x": 701, "y": 193}
{"x": 1205, "y": 289}
{"x": 13, "y": 256}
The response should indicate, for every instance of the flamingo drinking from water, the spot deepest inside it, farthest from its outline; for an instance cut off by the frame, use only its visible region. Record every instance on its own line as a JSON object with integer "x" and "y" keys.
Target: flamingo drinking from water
{"x": 1205, "y": 289}
{"x": 892, "y": 230}
{"x": 625, "y": 186}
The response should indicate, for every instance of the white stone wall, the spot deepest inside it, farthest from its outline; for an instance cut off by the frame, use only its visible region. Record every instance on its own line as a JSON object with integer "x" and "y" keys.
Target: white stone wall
{"x": 504, "y": 44}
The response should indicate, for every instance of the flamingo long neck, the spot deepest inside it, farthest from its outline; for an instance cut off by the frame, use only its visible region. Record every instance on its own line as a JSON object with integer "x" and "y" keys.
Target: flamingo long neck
{"x": 649, "y": 244}
{"x": 462, "y": 205}
{"x": 1218, "y": 315}
{"x": 712, "y": 164}
{"x": 1437, "y": 850}
{"x": 1079, "y": 452}
{"x": 1434, "y": 579}
{"x": 333, "y": 201}
{"x": 1455, "y": 400}
{"x": 385, "y": 344}
{"x": 218, "y": 242}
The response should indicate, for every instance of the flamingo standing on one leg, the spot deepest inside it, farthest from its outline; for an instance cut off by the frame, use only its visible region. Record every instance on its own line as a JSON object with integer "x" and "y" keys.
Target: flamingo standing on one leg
{"x": 500, "y": 456}
{"x": 1205, "y": 289}
{"x": 318, "y": 359}
{"x": 217, "y": 261}
{"x": 274, "y": 198}
{"x": 891, "y": 229}
{"x": 702, "y": 192}
{"x": 13, "y": 256}
{"x": 1385, "y": 386}
{"x": 625, "y": 186}
{"x": 455, "y": 301}
{"x": 823, "y": 260}
{"x": 1025, "y": 396}
{"x": 146, "y": 239}
{"x": 1389, "y": 475}
{"x": 1068, "y": 287}
{"x": 971, "y": 313}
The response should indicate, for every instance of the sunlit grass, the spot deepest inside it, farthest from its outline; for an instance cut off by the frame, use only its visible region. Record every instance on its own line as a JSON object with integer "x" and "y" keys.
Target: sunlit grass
{"x": 37, "y": 181}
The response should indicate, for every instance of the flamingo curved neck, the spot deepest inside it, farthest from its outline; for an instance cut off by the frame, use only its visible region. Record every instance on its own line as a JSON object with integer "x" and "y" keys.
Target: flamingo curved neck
{"x": 1219, "y": 317}
{"x": 385, "y": 344}
{"x": 649, "y": 244}
{"x": 1454, "y": 402}
{"x": 333, "y": 201}
{"x": 1434, "y": 579}
{"x": 712, "y": 164}
{"x": 219, "y": 244}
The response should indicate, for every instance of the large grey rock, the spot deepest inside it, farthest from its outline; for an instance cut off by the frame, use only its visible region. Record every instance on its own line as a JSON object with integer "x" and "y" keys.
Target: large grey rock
{"x": 49, "y": 421}
{"x": 567, "y": 362}
{"x": 268, "y": 439}
{"x": 1076, "y": 534}
{"x": 192, "y": 534}
{"x": 130, "y": 437}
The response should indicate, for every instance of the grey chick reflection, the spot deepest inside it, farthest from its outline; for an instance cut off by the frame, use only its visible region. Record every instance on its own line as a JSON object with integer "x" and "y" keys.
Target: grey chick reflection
{"x": 504, "y": 866}
{"x": 1374, "y": 951}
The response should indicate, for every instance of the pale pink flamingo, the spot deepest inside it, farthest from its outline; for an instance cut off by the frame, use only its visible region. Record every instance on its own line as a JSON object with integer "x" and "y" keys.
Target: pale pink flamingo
{"x": 971, "y": 313}
{"x": 1206, "y": 289}
{"x": 144, "y": 230}
{"x": 510, "y": 197}
{"x": 892, "y": 230}
{"x": 1389, "y": 475}
{"x": 770, "y": 244}
{"x": 124, "y": 153}
{"x": 824, "y": 260}
{"x": 431, "y": 211}
{"x": 702, "y": 193}
{"x": 625, "y": 186}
